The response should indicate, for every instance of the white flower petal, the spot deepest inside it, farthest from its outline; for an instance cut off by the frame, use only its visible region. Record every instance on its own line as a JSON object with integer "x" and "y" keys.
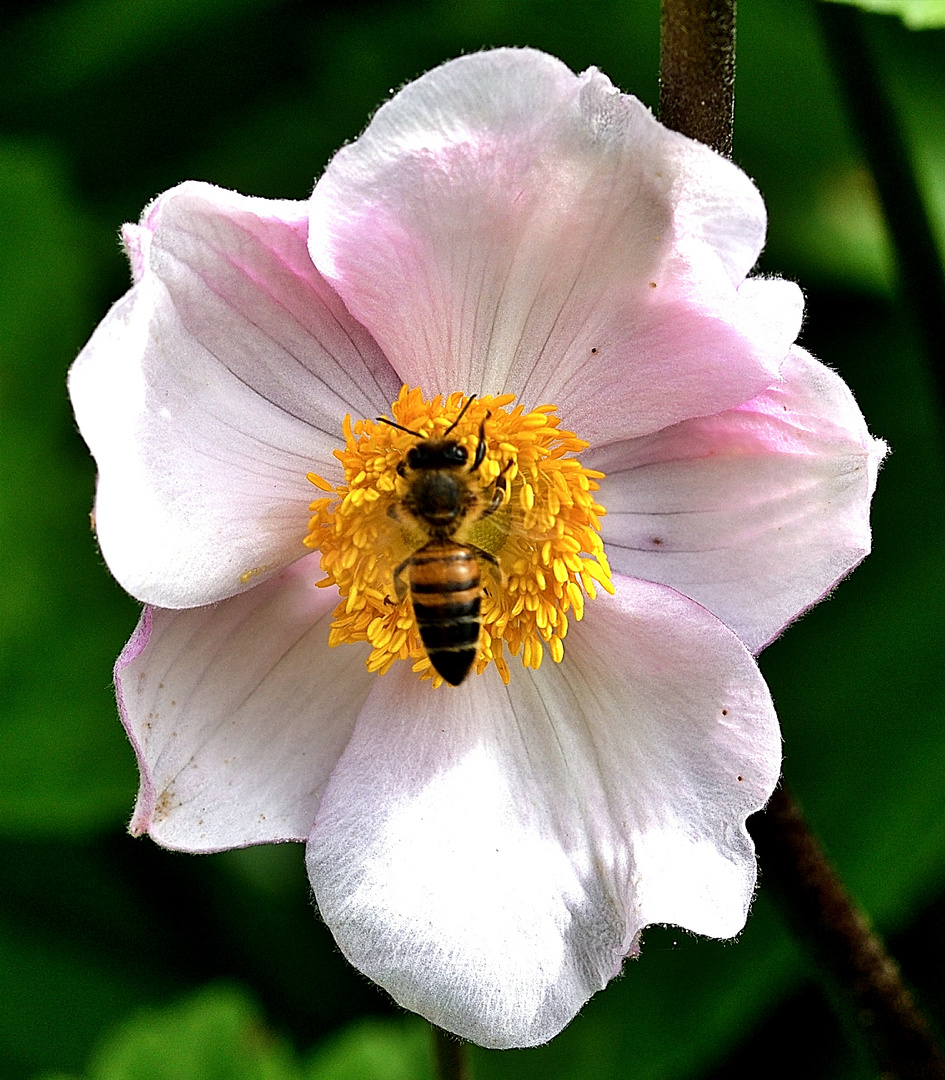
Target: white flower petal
{"x": 756, "y": 512}
{"x": 506, "y": 226}
{"x": 211, "y": 389}
{"x": 238, "y": 713}
{"x": 489, "y": 854}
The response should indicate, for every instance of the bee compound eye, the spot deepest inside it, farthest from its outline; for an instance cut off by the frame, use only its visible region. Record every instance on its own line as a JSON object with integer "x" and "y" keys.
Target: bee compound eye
{"x": 456, "y": 454}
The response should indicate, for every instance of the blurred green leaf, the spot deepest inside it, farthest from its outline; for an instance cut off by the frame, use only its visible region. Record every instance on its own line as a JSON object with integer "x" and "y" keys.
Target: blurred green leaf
{"x": 67, "y": 44}
{"x": 60, "y": 989}
{"x": 913, "y": 73}
{"x": 215, "y": 1035}
{"x": 916, "y": 14}
{"x": 825, "y": 225}
{"x": 64, "y": 765}
{"x": 376, "y": 1050}
{"x": 219, "y": 1034}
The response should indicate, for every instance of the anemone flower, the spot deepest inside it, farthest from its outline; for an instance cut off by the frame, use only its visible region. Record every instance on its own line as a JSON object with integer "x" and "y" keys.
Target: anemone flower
{"x": 522, "y": 265}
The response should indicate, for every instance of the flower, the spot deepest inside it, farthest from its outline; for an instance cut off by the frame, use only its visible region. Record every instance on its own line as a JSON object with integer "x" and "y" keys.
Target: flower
{"x": 488, "y": 852}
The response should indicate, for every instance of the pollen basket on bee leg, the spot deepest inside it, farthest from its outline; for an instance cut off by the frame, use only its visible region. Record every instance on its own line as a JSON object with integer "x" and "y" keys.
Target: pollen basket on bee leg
{"x": 455, "y": 502}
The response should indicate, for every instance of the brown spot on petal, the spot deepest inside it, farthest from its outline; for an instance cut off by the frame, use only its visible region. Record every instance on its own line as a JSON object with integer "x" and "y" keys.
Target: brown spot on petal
{"x": 167, "y": 802}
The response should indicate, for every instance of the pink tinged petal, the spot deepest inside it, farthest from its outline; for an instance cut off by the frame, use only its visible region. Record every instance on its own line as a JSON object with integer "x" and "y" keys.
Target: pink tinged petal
{"x": 238, "y": 713}
{"x": 136, "y": 240}
{"x": 757, "y": 512}
{"x": 505, "y": 225}
{"x": 490, "y": 854}
{"x": 211, "y": 389}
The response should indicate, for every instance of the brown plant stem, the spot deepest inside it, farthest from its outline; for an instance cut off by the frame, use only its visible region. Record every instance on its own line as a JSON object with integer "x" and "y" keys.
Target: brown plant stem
{"x": 452, "y": 1062}
{"x": 843, "y": 944}
{"x": 697, "y": 70}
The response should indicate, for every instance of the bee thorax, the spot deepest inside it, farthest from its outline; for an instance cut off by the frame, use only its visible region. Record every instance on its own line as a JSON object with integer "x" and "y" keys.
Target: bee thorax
{"x": 436, "y": 497}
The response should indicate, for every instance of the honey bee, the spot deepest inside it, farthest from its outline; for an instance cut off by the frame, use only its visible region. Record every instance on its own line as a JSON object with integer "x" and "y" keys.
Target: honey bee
{"x": 444, "y": 503}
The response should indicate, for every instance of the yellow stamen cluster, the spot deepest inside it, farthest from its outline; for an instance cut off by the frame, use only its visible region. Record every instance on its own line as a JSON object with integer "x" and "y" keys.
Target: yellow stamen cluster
{"x": 545, "y": 537}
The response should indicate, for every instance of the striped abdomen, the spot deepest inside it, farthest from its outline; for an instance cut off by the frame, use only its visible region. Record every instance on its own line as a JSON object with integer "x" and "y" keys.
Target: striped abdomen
{"x": 446, "y": 592}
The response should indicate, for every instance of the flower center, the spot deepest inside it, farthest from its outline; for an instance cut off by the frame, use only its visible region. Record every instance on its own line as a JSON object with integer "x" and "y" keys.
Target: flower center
{"x": 463, "y": 527}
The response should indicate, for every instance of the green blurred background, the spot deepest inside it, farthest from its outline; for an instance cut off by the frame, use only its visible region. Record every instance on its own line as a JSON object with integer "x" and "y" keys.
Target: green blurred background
{"x": 121, "y": 961}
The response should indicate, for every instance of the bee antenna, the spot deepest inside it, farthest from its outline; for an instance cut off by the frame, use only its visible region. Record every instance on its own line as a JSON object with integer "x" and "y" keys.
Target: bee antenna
{"x": 400, "y": 427}
{"x": 462, "y": 413}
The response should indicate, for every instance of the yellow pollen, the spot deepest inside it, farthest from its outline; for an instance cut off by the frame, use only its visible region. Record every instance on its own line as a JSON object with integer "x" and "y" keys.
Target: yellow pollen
{"x": 540, "y": 550}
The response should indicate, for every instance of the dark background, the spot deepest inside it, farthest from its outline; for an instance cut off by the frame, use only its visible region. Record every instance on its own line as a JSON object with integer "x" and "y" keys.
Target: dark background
{"x": 122, "y": 961}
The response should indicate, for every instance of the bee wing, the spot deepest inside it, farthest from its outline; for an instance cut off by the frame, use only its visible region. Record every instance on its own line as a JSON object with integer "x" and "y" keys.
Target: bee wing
{"x": 502, "y": 537}
{"x": 397, "y": 539}
{"x": 490, "y": 532}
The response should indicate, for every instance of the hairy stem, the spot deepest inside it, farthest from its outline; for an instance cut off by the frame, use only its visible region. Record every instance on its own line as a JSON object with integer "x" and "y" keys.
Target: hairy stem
{"x": 697, "y": 70}
{"x": 452, "y": 1062}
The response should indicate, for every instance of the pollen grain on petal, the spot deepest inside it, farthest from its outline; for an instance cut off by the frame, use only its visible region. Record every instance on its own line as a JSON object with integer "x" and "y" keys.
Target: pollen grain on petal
{"x": 248, "y": 575}
{"x": 529, "y": 515}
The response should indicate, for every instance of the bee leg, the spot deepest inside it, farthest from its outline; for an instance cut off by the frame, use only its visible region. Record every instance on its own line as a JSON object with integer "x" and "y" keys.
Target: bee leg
{"x": 480, "y": 445}
{"x": 400, "y": 582}
{"x": 486, "y": 555}
{"x": 492, "y": 564}
{"x": 498, "y": 496}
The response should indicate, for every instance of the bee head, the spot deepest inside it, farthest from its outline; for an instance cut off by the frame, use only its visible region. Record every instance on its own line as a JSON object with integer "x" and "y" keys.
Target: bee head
{"x": 431, "y": 455}
{"x": 437, "y": 454}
